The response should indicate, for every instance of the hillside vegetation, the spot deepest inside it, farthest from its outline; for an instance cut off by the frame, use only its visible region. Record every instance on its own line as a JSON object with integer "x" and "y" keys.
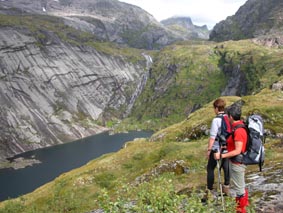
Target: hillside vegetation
{"x": 158, "y": 173}
{"x": 187, "y": 75}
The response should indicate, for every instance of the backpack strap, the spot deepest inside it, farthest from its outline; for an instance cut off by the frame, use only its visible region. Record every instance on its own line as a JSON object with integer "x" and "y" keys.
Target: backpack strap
{"x": 237, "y": 127}
{"x": 239, "y": 158}
{"x": 220, "y": 115}
{"x": 260, "y": 163}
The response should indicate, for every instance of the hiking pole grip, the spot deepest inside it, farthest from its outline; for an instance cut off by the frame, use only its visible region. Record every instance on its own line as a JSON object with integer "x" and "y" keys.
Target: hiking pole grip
{"x": 216, "y": 151}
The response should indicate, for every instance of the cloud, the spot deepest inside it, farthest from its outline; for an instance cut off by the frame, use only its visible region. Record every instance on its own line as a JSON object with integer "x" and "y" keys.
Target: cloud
{"x": 202, "y": 12}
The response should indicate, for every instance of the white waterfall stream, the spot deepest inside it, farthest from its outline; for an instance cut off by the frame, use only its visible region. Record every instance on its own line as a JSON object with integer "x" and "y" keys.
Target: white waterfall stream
{"x": 140, "y": 85}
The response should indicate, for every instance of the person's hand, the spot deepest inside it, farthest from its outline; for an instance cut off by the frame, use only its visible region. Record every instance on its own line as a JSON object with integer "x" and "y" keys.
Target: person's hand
{"x": 217, "y": 155}
{"x": 208, "y": 154}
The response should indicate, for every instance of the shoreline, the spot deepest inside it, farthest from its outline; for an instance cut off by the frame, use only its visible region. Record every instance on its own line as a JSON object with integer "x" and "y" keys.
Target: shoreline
{"x": 18, "y": 163}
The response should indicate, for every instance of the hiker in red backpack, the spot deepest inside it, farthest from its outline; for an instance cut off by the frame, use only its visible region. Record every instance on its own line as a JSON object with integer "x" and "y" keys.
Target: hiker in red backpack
{"x": 236, "y": 144}
{"x": 214, "y": 145}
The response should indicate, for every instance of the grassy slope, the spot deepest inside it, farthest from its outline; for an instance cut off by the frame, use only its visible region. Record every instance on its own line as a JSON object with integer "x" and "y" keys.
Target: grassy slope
{"x": 267, "y": 103}
{"x": 198, "y": 78}
{"x": 79, "y": 190}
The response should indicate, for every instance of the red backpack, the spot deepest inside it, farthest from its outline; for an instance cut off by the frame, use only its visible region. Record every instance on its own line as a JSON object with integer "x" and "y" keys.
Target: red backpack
{"x": 225, "y": 129}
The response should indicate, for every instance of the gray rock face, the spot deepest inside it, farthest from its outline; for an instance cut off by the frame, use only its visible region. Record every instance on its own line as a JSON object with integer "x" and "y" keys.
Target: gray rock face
{"x": 185, "y": 27}
{"x": 109, "y": 20}
{"x": 269, "y": 41}
{"x": 255, "y": 18}
{"x": 237, "y": 83}
{"x": 55, "y": 94}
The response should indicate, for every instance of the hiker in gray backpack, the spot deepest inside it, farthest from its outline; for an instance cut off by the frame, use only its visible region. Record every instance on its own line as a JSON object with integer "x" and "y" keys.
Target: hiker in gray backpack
{"x": 214, "y": 145}
{"x": 236, "y": 144}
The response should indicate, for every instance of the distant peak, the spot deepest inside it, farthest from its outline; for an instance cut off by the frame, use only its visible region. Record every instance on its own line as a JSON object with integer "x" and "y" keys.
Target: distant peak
{"x": 180, "y": 18}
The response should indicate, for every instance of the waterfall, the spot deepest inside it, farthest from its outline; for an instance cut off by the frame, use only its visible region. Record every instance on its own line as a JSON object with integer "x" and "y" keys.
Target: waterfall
{"x": 140, "y": 85}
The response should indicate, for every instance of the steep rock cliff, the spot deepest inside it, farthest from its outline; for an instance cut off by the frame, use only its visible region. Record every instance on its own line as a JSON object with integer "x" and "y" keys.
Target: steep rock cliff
{"x": 55, "y": 93}
{"x": 255, "y": 18}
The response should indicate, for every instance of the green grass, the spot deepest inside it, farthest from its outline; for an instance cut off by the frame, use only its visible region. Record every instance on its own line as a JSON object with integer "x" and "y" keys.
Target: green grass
{"x": 134, "y": 172}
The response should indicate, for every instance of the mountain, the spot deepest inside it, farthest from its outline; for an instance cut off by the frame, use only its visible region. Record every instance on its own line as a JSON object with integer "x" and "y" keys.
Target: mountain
{"x": 108, "y": 20}
{"x": 254, "y": 19}
{"x": 185, "y": 27}
{"x": 60, "y": 77}
{"x": 58, "y": 84}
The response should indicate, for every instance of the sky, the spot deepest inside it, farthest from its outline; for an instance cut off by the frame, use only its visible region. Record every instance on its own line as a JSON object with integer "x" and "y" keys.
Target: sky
{"x": 202, "y": 12}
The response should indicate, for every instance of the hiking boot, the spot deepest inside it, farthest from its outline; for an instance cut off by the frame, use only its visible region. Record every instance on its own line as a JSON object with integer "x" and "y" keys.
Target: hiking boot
{"x": 226, "y": 190}
{"x": 210, "y": 195}
{"x": 242, "y": 202}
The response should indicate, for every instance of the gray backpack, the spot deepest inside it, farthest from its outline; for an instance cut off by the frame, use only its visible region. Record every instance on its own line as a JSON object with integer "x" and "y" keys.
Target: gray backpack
{"x": 256, "y": 138}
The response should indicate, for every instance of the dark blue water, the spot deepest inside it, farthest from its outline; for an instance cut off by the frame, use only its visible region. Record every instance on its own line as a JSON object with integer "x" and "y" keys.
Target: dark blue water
{"x": 59, "y": 159}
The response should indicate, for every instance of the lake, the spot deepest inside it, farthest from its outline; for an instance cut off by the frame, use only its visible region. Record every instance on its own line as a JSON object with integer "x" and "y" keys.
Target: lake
{"x": 58, "y": 159}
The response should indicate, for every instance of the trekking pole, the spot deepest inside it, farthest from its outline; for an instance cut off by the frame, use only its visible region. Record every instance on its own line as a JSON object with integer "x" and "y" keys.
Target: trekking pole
{"x": 219, "y": 181}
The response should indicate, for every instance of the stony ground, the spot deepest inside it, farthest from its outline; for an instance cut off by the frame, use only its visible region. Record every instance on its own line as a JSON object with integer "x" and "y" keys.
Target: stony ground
{"x": 266, "y": 188}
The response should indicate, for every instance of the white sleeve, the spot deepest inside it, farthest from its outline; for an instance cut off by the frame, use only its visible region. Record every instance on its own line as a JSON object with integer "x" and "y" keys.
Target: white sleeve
{"x": 214, "y": 127}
